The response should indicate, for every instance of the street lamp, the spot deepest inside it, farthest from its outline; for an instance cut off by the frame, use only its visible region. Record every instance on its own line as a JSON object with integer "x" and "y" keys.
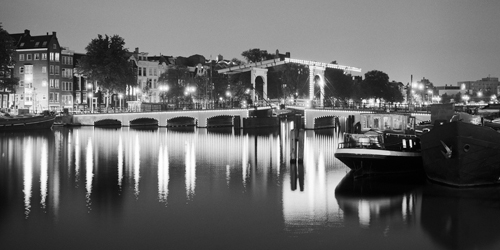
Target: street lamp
{"x": 465, "y": 98}
{"x": 189, "y": 91}
{"x": 163, "y": 90}
{"x": 228, "y": 94}
{"x": 120, "y": 96}
{"x": 91, "y": 97}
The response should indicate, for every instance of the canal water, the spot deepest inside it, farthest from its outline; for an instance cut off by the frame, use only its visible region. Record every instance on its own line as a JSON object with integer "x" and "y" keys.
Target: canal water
{"x": 93, "y": 188}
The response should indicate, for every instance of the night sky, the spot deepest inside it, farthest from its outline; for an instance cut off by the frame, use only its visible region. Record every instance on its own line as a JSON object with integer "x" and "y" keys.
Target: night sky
{"x": 445, "y": 41}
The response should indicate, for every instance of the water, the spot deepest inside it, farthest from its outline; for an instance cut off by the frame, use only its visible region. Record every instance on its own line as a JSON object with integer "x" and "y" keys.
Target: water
{"x": 91, "y": 188}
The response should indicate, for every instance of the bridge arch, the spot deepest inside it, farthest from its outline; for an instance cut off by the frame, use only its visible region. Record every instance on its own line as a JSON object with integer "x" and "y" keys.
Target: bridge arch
{"x": 182, "y": 121}
{"x": 220, "y": 121}
{"x": 259, "y": 74}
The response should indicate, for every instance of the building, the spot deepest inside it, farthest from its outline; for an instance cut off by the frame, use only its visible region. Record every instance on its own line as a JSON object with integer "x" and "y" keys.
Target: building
{"x": 5, "y": 94}
{"x": 45, "y": 79}
{"x": 486, "y": 86}
{"x": 149, "y": 70}
{"x": 448, "y": 90}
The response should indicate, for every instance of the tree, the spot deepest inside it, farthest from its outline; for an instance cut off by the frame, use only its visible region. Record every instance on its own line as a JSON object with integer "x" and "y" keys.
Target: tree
{"x": 175, "y": 78}
{"x": 376, "y": 85}
{"x": 338, "y": 84}
{"x": 7, "y": 49}
{"x": 107, "y": 62}
{"x": 256, "y": 55}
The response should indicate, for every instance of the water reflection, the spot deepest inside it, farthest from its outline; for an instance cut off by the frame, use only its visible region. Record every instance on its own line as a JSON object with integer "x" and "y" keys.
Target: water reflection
{"x": 462, "y": 218}
{"x": 380, "y": 202}
{"x": 312, "y": 206}
{"x": 221, "y": 187}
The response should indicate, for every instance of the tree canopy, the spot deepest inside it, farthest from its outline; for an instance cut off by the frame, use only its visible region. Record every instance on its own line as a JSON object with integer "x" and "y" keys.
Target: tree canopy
{"x": 7, "y": 49}
{"x": 256, "y": 55}
{"x": 107, "y": 62}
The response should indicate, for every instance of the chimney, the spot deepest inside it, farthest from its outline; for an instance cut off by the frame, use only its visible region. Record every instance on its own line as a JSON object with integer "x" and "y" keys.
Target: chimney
{"x": 27, "y": 32}
{"x": 53, "y": 33}
{"x": 136, "y": 50}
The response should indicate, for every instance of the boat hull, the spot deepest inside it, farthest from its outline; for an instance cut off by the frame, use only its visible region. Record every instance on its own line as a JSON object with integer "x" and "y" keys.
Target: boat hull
{"x": 461, "y": 154}
{"x": 379, "y": 161}
{"x": 27, "y": 123}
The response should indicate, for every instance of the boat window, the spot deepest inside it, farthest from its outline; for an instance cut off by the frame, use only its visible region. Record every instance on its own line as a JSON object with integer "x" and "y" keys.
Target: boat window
{"x": 376, "y": 122}
{"x": 387, "y": 123}
{"x": 396, "y": 123}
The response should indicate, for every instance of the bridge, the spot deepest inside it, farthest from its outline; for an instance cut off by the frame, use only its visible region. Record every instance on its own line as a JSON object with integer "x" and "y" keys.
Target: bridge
{"x": 200, "y": 118}
{"x": 312, "y": 118}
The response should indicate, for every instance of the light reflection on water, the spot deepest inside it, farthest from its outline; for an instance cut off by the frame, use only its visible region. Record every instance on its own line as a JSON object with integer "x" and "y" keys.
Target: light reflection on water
{"x": 224, "y": 189}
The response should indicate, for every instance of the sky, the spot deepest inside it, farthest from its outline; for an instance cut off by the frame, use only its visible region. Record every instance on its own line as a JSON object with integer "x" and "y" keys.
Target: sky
{"x": 445, "y": 41}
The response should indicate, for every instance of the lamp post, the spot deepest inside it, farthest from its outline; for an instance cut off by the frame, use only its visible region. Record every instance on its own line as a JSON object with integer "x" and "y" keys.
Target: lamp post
{"x": 164, "y": 89}
{"x": 189, "y": 91}
{"x": 91, "y": 97}
{"x": 465, "y": 98}
{"x": 90, "y": 94}
{"x": 228, "y": 94}
{"x": 120, "y": 96}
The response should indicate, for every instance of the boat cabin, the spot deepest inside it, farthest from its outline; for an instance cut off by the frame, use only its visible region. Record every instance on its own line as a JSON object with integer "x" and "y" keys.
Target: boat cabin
{"x": 394, "y": 122}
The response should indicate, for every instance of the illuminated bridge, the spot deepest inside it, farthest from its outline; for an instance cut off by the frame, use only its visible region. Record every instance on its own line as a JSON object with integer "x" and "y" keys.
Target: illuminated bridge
{"x": 200, "y": 118}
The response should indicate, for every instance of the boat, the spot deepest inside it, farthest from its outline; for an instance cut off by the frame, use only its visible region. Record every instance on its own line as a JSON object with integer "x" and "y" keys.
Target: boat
{"x": 389, "y": 146}
{"x": 26, "y": 122}
{"x": 462, "y": 152}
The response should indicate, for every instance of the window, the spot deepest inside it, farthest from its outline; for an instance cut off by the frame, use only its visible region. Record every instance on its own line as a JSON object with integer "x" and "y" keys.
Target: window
{"x": 29, "y": 57}
{"x": 44, "y": 44}
{"x": 44, "y": 83}
{"x": 51, "y": 69}
{"x": 150, "y": 71}
{"x": 57, "y": 57}
{"x": 21, "y": 57}
{"x": 67, "y": 73}
{"x": 28, "y": 69}
{"x": 155, "y": 72}
{"x": 139, "y": 72}
{"x": 67, "y": 99}
{"x": 56, "y": 84}
{"x": 57, "y": 70}
{"x": 51, "y": 56}
{"x": 36, "y": 56}
{"x": 21, "y": 83}
{"x": 51, "y": 83}
{"x": 144, "y": 71}
{"x": 37, "y": 43}
{"x": 21, "y": 70}
{"x": 67, "y": 86}
{"x": 44, "y": 56}
{"x": 44, "y": 69}
{"x": 54, "y": 46}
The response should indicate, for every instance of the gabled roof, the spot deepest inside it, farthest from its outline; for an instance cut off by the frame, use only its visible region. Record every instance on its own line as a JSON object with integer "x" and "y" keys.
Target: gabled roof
{"x": 26, "y": 41}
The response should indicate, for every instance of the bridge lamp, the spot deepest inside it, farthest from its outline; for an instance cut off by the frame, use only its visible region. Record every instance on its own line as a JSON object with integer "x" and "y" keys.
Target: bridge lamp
{"x": 479, "y": 94}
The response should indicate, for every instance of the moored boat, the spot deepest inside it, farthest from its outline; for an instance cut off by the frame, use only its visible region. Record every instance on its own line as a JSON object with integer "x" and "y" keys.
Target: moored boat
{"x": 388, "y": 147}
{"x": 28, "y": 122}
{"x": 461, "y": 153}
